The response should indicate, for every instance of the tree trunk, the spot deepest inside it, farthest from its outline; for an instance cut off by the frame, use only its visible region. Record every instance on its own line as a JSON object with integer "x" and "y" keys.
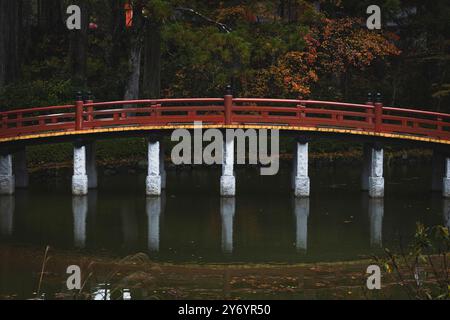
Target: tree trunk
{"x": 50, "y": 18}
{"x": 26, "y": 41}
{"x": 132, "y": 89}
{"x": 152, "y": 63}
{"x": 10, "y": 14}
{"x": 117, "y": 28}
{"x": 78, "y": 47}
{"x": 134, "y": 60}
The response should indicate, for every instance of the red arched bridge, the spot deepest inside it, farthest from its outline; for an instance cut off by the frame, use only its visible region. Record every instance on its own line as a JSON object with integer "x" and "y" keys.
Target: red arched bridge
{"x": 88, "y": 119}
{"x": 372, "y": 119}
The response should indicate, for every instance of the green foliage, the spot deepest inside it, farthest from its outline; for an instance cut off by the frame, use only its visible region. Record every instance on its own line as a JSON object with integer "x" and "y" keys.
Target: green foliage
{"x": 422, "y": 270}
{"x": 37, "y": 93}
{"x": 45, "y": 154}
{"x": 203, "y": 57}
{"x": 107, "y": 151}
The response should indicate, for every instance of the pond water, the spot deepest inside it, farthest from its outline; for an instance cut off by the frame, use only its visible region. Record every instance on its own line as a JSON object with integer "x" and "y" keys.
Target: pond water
{"x": 191, "y": 223}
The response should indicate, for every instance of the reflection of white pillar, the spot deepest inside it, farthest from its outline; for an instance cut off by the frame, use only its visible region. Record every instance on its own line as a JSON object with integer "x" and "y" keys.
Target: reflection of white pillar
{"x": 446, "y": 212}
{"x": 153, "y": 183}
{"x": 301, "y": 216}
{"x": 20, "y": 169}
{"x": 80, "y": 210}
{"x": 7, "y": 183}
{"x": 446, "y": 179}
{"x": 437, "y": 169}
{"x": 91, "y": 165}
{"x": 153, "y": 208}
{"x": 80, "y": 178}
{"x": 228, "y": 180}
{"x": 6, "y": 215}
{"x": 376, "y": 180}
{"x": 227, "y": 211}
{"x": 376, "y": 213}
{"x": 302, "y": 183}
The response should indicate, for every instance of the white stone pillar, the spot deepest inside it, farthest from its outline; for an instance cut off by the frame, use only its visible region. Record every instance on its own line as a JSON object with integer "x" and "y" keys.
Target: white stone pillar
{"x": 80, "y": 178}
{"x": 302, "y": 183}
{"x": 376, "y": 213}
{"x": 20, "y": 169}
{"x": 80, "y": 211}
{"x": 228, "y": 180}
{"x": 153, "y": 183}
{"x": 91, "y": 165}
{"x": 437, "y": 171}
{"x": 446, "y": 179}
{"x": 367, "y": 163}
{"x": 162, "y": 168}
{"x": 227, "y": 211}
{"x": 7, "y": 180}
{"x": 301, "y": 209}
{"x": 376, "y": 180}
{"x": 153, "y": 208}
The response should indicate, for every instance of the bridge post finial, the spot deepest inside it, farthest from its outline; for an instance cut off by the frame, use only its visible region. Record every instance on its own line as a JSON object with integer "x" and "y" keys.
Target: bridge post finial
{"x": 378, "y": 113}
{"x": 228, "y": 105}
{"x": 79, "y": 111}
{"x": 379, "y": 98}
{"x": 229, "y": 90}
{"x": 369, "y": 98}
{"x": 79, "y": 96}
{"x": 88, "y": 96}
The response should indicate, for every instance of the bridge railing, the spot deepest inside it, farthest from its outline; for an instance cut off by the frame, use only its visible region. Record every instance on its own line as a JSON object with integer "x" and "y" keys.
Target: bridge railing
{"x": 303, "y": 113}
{"x": 26, "y": 121}
{"x": 152, "y": 112}
{"x": 416, "y": 122}
{"x": 86, "y": 115}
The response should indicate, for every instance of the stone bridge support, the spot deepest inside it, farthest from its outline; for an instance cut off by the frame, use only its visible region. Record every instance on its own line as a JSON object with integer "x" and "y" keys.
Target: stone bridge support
{"x": 84, "y": 168}
{"x": 79, "y": 178}
{"x": 228, "y": 180}
{"x": 440, "y": 180}
{"x": 301, "y": 182}
{"x": 154, "y": 181}
{"x": 7, "y": 180}
{"x": 372, "y": 176}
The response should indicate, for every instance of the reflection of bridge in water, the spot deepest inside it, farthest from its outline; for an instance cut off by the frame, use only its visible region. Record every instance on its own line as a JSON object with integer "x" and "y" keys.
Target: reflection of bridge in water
{"x": 85, "y": 122}
{"x": 84, "y": 214}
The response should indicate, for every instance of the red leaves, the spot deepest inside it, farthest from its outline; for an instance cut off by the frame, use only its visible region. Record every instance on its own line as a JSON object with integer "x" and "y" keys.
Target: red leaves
{"x": 333, "y": 47}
